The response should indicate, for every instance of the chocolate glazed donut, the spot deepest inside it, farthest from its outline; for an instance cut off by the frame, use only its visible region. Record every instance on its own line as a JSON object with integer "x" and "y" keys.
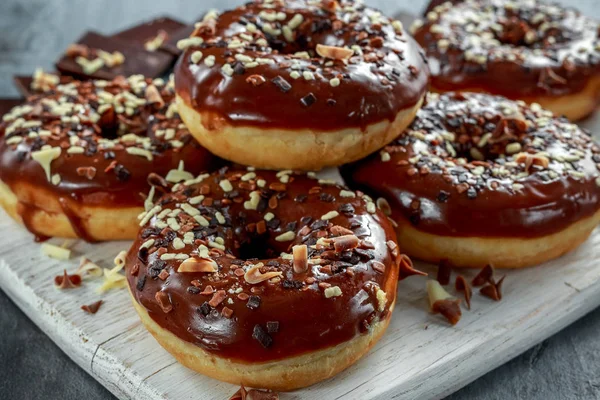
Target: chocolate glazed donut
{"x": 75, "y": 160}
{"x": 273, "y": 280}
{"x": 299, "y": 84}
{"x": 480, "y": 179}
{"x": 523, "y": 49}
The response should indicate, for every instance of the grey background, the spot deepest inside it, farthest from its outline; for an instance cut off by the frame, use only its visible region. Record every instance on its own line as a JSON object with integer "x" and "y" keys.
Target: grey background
{"x": 34, "y": 32}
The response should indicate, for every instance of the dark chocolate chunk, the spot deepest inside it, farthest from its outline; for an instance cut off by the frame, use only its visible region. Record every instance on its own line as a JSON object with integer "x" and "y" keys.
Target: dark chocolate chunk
{"x": 326, "y": 197}
{"x": 253, "y": 302}
{"x": 273, "y": 224}
{"x": 308, "y": 100}
{"x": 193, "y": 290}
{"x": 319, "y": 224}
{"x": 143, "y": 254}
{"x": 204, "y": 309}
{"x": 141, "y": 282}
{"x": 305, "y": 220}
{"x": 287, "y": 284}
{"x": 347, "y": 209}
{"x": 156, "y": 267}
{"x": 263, "y": 337}
{"x": 281, "y": 83}
{"x": 122, "y": 173}
{"x": 239, "y": 69}
{"x": 471, "y": 193}
{"x": 272, "y": 326}
{"x": 443, "y": 196}
{"x": 365, "y": 254}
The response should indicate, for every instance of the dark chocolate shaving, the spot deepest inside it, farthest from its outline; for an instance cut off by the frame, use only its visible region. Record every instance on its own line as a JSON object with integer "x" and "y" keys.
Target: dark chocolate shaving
{"x": 92, "y": 308}
{"x": 486, "y": 275}
{"x": 308, "y": 100}
{"x": 461, "y": 285}
{"x": 253, "y": 302}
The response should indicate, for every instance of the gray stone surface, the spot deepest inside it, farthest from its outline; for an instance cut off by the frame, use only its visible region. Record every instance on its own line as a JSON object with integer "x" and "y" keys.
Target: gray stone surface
{"x": 34, "y": 32}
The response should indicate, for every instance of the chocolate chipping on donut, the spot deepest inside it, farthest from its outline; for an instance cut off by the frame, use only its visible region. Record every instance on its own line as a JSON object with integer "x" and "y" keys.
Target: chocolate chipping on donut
{"x": 269, "y": 293}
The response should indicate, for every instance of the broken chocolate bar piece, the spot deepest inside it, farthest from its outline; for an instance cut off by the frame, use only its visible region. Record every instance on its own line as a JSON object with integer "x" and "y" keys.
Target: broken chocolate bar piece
{"x": 151, "y": 35}
{"x": 183, "y": 33}
{"x": 23, "y": 84}
{"x": 7, "y": 104}
{"x": 30, "y": 85}
{"x": 96, "y": 56}
{"x": 171, "y": 44}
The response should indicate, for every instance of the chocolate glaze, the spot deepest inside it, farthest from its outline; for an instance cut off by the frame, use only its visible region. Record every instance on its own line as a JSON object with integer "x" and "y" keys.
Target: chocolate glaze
{"x": 434, "y": 179}
{"x": 137, "y": 59}
{"x": 307, "y": 320}
{"x": 518, "y": 49}
{"x": 119, "y": 178}
{"x": 390, "y": 75}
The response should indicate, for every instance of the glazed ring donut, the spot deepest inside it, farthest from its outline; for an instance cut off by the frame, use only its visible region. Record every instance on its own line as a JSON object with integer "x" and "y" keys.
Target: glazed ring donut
{"x": 522, "y": 49}
{"x": 480, "y": 179}
{"x": 75, "y": 160}
{"x": 299, "y": 84}
{"x": 271, "y": 280}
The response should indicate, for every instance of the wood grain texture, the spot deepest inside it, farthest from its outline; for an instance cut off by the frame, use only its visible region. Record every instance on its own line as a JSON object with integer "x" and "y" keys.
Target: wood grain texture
{"x": 34, "y": 32}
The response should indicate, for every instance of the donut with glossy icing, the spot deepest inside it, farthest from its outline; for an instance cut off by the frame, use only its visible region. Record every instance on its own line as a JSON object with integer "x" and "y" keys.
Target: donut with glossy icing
{"x": 271, "y": 280}
{"x": 298, "y": 84}
{"x": 75, "y": 159}
{"x": 480, "y": 179}
{"x": 522, "y": 49}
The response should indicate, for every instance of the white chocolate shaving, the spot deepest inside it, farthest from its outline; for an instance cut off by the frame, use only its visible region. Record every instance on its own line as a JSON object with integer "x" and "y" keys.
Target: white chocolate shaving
{"x": 45, "y": 157}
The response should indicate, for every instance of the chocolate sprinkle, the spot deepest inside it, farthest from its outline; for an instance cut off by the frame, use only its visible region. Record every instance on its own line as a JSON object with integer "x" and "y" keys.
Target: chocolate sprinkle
{"x": 141, "y": 282}
{"x": 308, "y": 100}
{"x": 263, "y": 337}
{"x": 253, "y": 302}
{"x": 273, "y": 326}
{"x": 282, "y": 84}
{"x": 204, "y": 309}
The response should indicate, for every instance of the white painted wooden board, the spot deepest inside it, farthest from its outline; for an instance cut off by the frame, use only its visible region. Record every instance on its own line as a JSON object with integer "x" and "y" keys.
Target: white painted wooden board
{"x": 419, "y": 357}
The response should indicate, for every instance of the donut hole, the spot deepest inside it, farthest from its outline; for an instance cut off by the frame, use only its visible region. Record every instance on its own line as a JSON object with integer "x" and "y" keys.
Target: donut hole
{"x": 256, "y": 248}
{"x": 318, "y": 29}
{"x": 521, "y": 31}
